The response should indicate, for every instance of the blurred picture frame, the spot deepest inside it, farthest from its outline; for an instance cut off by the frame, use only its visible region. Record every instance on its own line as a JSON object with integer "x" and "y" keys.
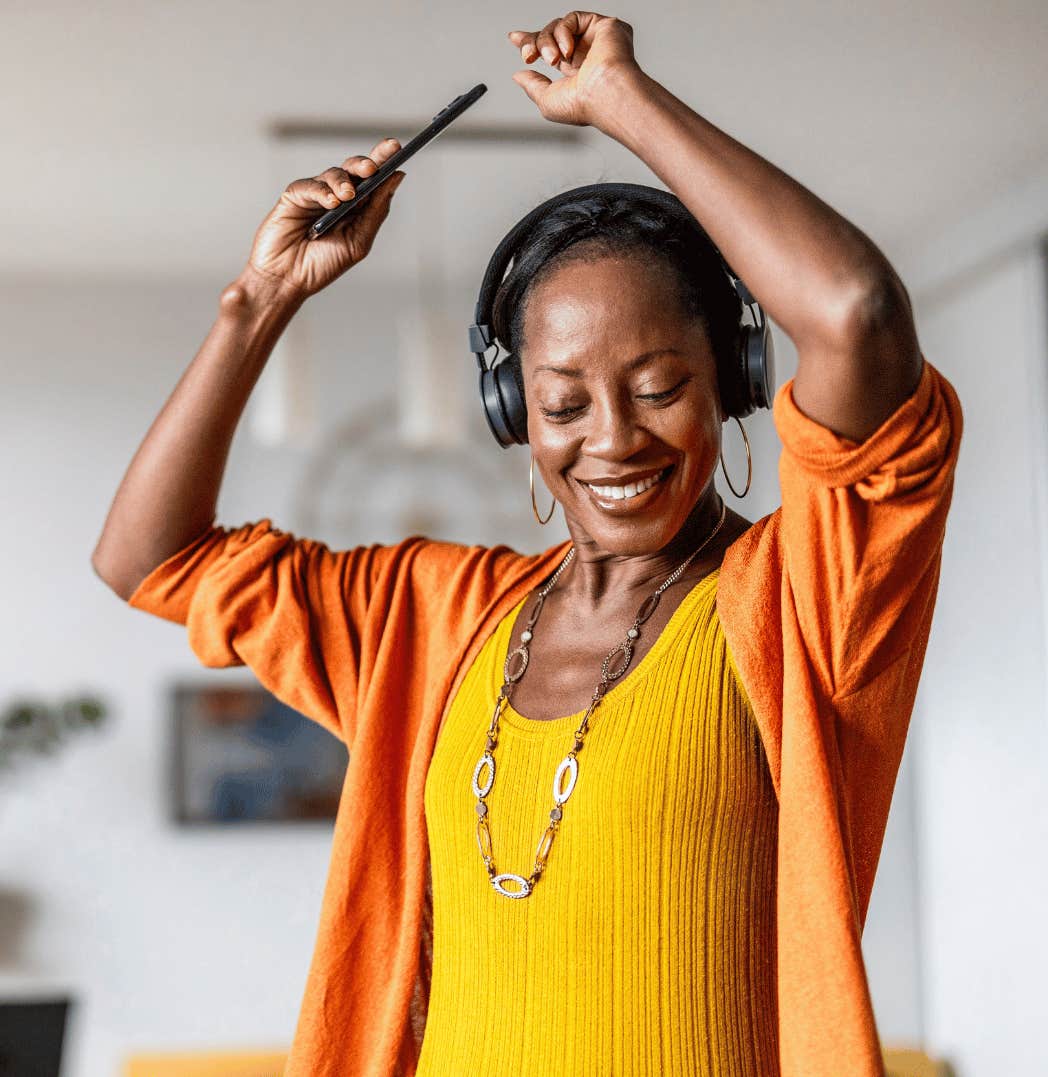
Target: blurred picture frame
{"x": 240, "y": 755}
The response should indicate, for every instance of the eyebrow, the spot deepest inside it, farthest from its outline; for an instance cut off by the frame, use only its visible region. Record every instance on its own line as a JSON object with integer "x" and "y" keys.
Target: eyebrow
{"x": 640, "y": 360}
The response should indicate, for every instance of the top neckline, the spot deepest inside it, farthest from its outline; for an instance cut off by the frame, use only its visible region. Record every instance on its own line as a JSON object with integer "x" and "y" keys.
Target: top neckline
{"x": 618, "y": 691}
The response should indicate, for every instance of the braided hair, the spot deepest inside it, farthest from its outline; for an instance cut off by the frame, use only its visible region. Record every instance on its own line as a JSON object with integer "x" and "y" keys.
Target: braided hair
{"x": 597, "y": 226}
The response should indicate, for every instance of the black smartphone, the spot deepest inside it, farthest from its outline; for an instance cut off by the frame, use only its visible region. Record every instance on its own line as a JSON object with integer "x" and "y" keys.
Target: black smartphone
{"x": 364, "y": 187}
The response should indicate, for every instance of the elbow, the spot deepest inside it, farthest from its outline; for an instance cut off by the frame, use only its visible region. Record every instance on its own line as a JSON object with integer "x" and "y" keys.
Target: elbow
{"x": 880, "y": 338}
{"x": 878, "y": 303}
{"x": 116, "y": 581}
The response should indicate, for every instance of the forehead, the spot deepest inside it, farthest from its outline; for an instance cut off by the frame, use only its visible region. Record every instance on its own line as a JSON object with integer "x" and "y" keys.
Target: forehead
{"x": 625, "y": 305}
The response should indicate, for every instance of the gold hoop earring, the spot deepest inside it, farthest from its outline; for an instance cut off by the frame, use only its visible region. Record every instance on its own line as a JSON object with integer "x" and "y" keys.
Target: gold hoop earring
{"x": 749, "y": 462}
{"x": 534, "y": 507}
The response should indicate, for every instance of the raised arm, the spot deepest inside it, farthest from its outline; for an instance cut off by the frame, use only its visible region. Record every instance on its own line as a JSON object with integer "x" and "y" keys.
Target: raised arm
{"x": 169, "y": 493}
{"x": 816, "y": 274}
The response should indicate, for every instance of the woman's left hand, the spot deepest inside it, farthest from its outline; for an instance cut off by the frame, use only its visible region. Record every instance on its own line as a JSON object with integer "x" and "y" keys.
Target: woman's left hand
{"x": 589, "y": 50}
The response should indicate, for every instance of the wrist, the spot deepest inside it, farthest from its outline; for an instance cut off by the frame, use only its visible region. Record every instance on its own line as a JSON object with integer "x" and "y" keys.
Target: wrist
{"x": 619, "y": 91}
{"x": 254, "y": 292}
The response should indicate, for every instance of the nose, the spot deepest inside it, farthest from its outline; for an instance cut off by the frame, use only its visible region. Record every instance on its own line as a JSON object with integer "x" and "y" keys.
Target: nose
{"x": 614, "y": 431}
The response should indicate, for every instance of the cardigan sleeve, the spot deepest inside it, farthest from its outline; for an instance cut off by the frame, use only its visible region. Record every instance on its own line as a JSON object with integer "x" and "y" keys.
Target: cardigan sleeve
{"x": 861, "y": 531}
{"x": 291, "y": 609}
{"x": 863, "y": 525}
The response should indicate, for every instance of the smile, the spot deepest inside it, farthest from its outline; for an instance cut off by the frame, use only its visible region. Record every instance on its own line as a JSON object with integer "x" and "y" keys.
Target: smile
{"x": 632, "y": 494}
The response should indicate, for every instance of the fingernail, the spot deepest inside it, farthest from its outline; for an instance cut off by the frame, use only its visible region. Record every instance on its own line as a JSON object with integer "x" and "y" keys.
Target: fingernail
{"x": 549, "y": 53}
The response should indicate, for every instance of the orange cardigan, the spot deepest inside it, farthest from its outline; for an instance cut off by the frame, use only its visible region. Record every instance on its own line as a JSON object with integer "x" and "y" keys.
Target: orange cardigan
{"x": 826, "y": 605}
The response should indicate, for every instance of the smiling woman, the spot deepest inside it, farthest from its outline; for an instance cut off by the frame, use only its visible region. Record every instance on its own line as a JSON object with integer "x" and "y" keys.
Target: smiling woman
{"x": 677, "y": 734}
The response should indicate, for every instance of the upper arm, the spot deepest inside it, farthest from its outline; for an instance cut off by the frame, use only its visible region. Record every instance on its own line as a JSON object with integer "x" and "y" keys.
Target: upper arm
{"x": 850, "y": 380}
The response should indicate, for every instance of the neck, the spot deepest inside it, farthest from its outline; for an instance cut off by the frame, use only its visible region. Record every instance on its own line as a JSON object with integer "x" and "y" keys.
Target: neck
{"x": 596, "y": 576}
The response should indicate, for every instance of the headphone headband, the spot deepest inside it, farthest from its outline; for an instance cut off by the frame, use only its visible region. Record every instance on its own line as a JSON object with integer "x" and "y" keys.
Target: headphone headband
{"x": 499, "y": 392}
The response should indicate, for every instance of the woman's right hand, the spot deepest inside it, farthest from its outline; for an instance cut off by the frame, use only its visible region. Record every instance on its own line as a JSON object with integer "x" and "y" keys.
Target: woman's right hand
{"x": 282, "y": 251}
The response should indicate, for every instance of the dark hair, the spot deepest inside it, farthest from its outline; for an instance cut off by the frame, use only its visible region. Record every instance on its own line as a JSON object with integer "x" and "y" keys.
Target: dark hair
{"x": 597, "y": 226}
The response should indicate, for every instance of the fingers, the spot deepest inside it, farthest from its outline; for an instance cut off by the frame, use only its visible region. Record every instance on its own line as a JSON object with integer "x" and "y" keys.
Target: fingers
{"x": 379, "y": 155}
{"x": 526, "y": 43}
{"x": 361, "y": 166}
{"x": 310, "y": 193}
{"x": 546, "y": 43}
{"x": 338, "y": 184}
{"x": 555, "y": 41}
{"x": 340, "y": 181}
{"x": 564, "y": 36}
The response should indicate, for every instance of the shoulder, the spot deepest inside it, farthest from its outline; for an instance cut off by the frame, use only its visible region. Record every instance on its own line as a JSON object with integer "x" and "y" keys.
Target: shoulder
{"x": 751, "y": 556}
{"x": 735, "y": 528}
{"x": 452, "y": 574}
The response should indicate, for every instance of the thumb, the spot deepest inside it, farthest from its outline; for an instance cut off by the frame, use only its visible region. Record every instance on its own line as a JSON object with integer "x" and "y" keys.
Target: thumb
{"x": 533, "y": 83}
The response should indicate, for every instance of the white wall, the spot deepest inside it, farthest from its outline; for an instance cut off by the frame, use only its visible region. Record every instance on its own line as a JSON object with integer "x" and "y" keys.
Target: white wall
{"x": 982, "y": 712}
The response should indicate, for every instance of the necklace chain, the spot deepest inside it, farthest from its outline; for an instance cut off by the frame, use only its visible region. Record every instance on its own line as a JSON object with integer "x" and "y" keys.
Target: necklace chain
{"x": 515, "y": 665}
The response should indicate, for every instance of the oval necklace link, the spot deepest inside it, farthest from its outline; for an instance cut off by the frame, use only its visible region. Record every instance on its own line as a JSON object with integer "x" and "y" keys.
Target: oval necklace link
{"x": 569, "y": 767}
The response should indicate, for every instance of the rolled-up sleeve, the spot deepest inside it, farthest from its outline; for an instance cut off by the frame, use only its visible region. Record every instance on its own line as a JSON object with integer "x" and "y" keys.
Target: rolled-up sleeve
{"x": 863, "y": 525}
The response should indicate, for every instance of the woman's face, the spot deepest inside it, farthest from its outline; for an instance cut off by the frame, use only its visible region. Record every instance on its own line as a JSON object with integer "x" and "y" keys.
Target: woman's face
{"x": 620, "y": 387}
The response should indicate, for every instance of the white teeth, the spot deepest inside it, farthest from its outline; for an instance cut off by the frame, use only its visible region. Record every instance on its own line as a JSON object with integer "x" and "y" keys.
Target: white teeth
{"x": 619, "y": 493}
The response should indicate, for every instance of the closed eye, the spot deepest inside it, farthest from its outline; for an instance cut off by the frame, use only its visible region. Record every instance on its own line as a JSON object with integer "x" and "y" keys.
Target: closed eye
{"x": 668, "y": 393}
{"x": 563, "y": 413}
{"x": 662, "y": 395}
{"x": 559, "y": 414}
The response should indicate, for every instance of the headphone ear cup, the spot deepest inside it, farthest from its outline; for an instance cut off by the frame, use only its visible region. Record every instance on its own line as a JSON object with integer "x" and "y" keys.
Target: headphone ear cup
{"x": 752, "y": 380}
{"x": 731, "y": 382}
{"x": 511, "y": 387}
{"x": 502, "y": 394}
{"x": 762, "y": 368}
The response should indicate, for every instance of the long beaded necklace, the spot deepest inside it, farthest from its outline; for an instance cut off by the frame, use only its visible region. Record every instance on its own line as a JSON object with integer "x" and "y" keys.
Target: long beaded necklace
{"x": 516, "y": 664}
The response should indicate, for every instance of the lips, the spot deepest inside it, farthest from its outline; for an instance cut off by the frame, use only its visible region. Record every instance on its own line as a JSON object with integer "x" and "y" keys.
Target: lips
{"x": 625, "y": 480}
{"x": 623, "y": 505}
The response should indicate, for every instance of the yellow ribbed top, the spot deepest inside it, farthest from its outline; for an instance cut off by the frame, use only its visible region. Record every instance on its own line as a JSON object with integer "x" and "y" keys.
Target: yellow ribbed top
{"x": 647, "y": 946}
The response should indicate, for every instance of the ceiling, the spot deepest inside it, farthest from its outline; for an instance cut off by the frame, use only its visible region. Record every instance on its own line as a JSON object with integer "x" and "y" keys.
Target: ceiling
{"x": 135, "y": 140}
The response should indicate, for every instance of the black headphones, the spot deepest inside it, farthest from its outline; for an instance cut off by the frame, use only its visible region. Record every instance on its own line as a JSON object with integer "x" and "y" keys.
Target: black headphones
{"x": 750, "y": 384}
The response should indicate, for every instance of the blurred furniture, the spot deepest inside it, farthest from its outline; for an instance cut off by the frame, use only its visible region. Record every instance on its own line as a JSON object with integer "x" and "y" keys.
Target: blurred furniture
{"x": 31, "y": 1034}
{"x": 905, "y": 1062}
{"x": 207, "y": 1064}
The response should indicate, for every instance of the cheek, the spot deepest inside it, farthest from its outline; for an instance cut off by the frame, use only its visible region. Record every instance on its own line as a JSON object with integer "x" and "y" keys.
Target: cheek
{"x": 554, "y": 451}
{"x": 694, "y": 429}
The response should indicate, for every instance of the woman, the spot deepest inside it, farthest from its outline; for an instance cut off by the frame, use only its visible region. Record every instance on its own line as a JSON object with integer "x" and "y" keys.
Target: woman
{"x": 720, "y": 812}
